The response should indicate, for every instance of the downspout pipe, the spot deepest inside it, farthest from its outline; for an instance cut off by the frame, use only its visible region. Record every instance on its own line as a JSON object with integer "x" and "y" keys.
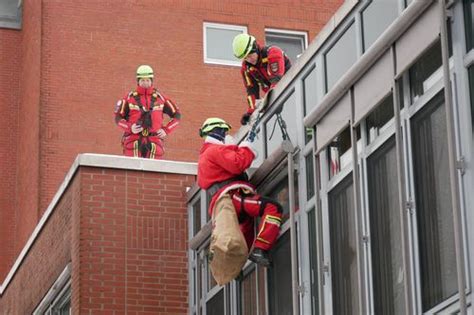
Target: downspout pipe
{"x": 453, "y": 172}
{"x": 383, "y": 43}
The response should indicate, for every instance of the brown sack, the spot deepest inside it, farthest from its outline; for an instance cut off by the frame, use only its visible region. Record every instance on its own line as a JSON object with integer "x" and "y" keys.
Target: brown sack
{"x": 228, "y": 250}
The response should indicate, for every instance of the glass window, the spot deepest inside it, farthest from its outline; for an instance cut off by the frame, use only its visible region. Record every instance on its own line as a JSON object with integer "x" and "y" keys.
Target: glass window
{"x": 218, "y": 40}
{"x": 376, "y": 17}
{"x": 379, "y": 117}
{"x": 273, "y": 131}
{"x": 309, "y": 91}
{"x": 10, "y": 14}
{"x": 291, "y": 42}
{"x": 215, "y": 306}
{"x": 471, "y": 90}
{"x": 343, "y": 238}
{"x": 281, "y": 193}
{"x": 309, "y": 176}
{"x": 341, "y": 57}
{"x": 313, "y": 260}
{"x": 339, "y": 151}
{"x": 385, "y": 232}
{"x": 196, "y": 216}
{"x": 279, "y": 281}
{"x": 248, "y": 293}
{"x": 433, "y": 204}
{"x": 426, "y": 72}
{"x": 469, "y": 23}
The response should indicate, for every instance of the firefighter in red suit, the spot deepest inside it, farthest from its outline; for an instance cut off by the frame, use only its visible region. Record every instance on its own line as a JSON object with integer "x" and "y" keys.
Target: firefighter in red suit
{"x": 140, "y": 115}
{"x": 221, "y": 169}
{"x": 262, "y": 67}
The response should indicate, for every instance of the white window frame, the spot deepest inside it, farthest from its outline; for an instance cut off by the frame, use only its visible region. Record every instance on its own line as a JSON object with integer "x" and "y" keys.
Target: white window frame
{"x": 224, "y": 62}
{"x": 288, "y": 33}
{"x": 10, "y": 21}
{"x": 58, "y": 294}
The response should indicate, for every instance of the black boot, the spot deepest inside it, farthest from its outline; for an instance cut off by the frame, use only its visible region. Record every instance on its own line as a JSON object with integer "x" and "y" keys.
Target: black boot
{"x": 260, "y": 257}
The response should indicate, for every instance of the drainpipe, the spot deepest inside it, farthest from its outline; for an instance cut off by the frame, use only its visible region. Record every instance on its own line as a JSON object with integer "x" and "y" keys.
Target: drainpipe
{"x": 448, "y": 96}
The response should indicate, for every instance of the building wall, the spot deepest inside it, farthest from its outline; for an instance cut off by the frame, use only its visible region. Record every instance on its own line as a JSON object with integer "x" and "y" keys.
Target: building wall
{"x": 132, "y": 243}
{"x": 125, "y": 234}
{"x": 8, "y": 168}
{"x": 78, "y": 58}
{"x": 46, "y": 259}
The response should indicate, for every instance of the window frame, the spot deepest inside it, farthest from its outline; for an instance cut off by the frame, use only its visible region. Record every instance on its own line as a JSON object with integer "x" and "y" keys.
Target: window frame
{"x": 13, "y": 22}
{"x": 221, "y": 26}
{"x": 283, "y": 33}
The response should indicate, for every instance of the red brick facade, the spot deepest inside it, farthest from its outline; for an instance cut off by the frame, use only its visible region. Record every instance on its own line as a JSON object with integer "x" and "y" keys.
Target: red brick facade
{"x": 61, "y": 74}
{"x": 125, "y": 233}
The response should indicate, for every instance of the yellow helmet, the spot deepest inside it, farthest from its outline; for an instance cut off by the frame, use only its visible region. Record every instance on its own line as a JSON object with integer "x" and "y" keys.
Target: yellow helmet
{"x": 211, "y": 123}
{"x": 243, "y": 45}
{"x": 144, "y": 72}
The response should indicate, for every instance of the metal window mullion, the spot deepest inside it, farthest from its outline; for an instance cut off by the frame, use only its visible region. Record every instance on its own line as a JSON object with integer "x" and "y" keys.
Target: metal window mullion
{"x": 401, "y": 191}
{"x": 452, "y": 160}
{"x": 318, "y": 224}
{"x": 294, "y": 259}
{"x": 357, "y": 207}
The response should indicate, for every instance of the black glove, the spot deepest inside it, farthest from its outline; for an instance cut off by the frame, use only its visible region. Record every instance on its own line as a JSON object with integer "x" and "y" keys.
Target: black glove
{"x": 245, "y": 118}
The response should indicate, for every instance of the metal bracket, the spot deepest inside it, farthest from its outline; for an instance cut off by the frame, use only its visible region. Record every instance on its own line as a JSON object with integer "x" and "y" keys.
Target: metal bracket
{"x": 410, "y": 205}
{"x": 301, "y": 289}
{"x": 461, "y": 165}
{"x": 365, "y": 239}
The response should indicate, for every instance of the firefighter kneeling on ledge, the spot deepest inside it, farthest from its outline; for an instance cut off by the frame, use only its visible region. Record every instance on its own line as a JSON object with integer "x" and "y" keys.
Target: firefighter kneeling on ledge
{"x": 221, "y": 171}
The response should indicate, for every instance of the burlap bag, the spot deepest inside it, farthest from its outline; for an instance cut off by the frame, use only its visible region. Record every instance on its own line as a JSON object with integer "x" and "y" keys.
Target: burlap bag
{"x": 228, "y": 250}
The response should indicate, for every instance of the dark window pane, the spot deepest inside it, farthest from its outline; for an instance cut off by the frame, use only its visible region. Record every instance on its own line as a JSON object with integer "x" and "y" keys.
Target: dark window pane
{"x": 341, "y": 57}
{"x": 248, "y": 293}
{"x": 280, "y": 294}
{"x": 379, "y": 117}
{"x": 309, "y": 176}
{"x": 313, "y": 261}
{"x": 425, "y": 72}
{"x": 339, "y": 154}
{"x": 197, "y": 216}
{"x": 376, "y": 18}
{"x": 215, "y": 306}
{"x": 385, "y": 232}
{"x": 469, "y": 23}
{"x": 343, "y": 240}
{"x": 433, "y": 204}
{"x": 292, "y": 44}
{"x": 281, "y": 193}
{"x": 471, "y": 91}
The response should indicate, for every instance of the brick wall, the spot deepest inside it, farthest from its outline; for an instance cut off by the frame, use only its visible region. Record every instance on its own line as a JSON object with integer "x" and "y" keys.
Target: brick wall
{"x": 78, "y": 57}
{"x": 46, "y": 259}
{"x": 133, "y": 240}
{"x": 9, "y": 49}
{"x": 125, "y": 233}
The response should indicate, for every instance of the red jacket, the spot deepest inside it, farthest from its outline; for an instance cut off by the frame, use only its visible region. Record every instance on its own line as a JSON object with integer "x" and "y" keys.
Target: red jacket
{"x": 219, "y": 162}
{"x": 271, "y": 65}
{"x": 137, "y": 105}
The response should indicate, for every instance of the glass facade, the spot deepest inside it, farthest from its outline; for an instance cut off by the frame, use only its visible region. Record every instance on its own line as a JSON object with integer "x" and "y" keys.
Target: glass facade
{"x": 357, "y": 232}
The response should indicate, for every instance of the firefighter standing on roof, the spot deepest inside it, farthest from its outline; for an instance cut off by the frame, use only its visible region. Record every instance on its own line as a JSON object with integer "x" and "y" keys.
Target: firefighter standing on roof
{"x": 221, "y": 169}
{"x": 140, "y": 116}
{"x": 262, "y": 67}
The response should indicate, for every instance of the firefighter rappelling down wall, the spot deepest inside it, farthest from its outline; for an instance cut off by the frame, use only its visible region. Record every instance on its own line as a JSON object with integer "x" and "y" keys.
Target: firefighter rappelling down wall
{"x": 234, "y": 203}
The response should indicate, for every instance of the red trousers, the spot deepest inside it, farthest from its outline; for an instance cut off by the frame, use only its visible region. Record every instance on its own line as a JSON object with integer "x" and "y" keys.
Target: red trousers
{"x": 150, "y": 147}
{"x": 250, "y": 206}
